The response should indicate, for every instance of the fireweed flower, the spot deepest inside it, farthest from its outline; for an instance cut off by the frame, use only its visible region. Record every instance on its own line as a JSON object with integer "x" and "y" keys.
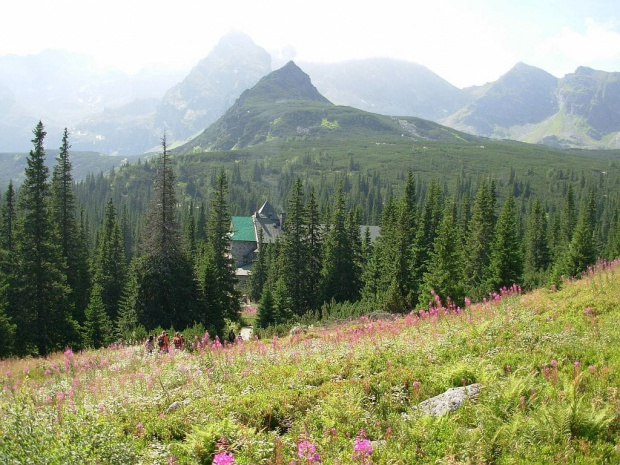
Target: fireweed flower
{"x": 224, "y": 458}
{"x": 362, "y": 449}
{"x": 306, "y": 450}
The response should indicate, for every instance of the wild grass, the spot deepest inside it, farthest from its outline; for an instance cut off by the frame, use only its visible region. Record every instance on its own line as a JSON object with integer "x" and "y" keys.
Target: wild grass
{"x": 549, "y": 362}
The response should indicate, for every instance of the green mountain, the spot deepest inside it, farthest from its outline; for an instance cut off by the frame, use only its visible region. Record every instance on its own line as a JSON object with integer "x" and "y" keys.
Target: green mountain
{"x": 528, "y": 104}
{"x": 522, "y": 96}
{"x": 286, "y": 105}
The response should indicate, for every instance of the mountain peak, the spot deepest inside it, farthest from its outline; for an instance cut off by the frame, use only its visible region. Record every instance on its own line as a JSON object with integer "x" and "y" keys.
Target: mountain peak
{"x": 286, "y": 83}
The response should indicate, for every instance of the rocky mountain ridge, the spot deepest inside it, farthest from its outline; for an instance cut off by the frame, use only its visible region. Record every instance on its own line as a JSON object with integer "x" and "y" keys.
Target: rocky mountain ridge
{"x": 108, "y": 112}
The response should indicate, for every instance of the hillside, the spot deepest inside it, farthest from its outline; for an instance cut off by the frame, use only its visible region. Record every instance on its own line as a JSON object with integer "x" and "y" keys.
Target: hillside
{"x": 285, "y": 105}
{"x": 346, "y": 393}
{"x": 523, "y": 95}
{"x": 84, "y": 163}
{"x": 530, "y": 105}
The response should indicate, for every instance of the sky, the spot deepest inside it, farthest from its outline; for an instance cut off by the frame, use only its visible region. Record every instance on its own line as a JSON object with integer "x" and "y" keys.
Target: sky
{"x": 466, "y": 42}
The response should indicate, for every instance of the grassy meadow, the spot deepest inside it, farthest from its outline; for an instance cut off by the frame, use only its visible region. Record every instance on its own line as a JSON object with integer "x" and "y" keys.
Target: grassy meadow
{"x": 549, "y": 363}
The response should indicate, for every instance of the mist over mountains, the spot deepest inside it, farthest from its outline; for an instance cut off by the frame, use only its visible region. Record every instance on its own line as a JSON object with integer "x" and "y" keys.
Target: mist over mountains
{"x": 110, "y": 112}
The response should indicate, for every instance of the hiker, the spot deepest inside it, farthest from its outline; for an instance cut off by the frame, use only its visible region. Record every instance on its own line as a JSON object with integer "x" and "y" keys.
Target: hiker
{"x": 166, "y": 343}
{"x": 162, "y": 342}
{"x": 231, "y": 336}
{"x": 149, "y": 345}
{"x": 178, "y": 341}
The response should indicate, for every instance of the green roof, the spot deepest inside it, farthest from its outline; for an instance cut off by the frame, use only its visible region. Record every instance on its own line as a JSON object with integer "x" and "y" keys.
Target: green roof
{"x": 242, "y": 229}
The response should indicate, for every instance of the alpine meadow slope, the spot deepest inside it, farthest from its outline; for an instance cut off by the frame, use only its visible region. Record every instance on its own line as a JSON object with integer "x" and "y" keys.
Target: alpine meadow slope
{"x": 348, "y": 393}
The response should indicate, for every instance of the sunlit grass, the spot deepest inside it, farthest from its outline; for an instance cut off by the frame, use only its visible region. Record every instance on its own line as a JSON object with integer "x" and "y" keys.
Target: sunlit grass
{"x": 548, "y": 361}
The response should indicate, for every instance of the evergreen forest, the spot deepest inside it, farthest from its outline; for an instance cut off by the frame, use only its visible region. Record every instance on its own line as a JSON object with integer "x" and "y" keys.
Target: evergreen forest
{"x": 146, "y": 247}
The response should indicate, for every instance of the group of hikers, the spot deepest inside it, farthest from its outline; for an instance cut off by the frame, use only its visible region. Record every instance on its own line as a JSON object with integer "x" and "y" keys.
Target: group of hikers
{"x": 163, "y": 343}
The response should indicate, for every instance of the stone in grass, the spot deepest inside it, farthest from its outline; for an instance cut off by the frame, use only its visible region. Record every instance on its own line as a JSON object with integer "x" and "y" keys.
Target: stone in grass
{"x": 449, "y": 401}
{"x": 176, "y": 405}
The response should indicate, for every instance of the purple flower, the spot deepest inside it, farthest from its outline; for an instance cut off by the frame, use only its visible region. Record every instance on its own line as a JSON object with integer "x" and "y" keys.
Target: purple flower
{"x": 306, "y": 450}
{"x": 362, "y": 448}
{"x": 224, "y": 458}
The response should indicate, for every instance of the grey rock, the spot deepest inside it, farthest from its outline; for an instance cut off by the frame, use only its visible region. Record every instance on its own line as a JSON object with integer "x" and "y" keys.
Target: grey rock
{"x": 449, "y": 401}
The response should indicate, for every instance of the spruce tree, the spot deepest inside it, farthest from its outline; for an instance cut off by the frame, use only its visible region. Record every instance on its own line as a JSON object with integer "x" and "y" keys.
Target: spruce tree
{"x": 41, "y": 305}
{"x": 295, "y": 256}
{"x": 64, "y": 217}
{"x": 266, "y": 315}
{"x": 406, "y": 231}
{"x": 479, "y": 238}
{"x": 98, "y": 326}
{"x": 7, "y": 236}
{"x": 380, "y": 271}
{"x": 506, "y": 260}
{"x": 7, "y": 328}
{"x": 581, "y": 251}
{"x": 444, "y": 277}
{"x": 427, "y": 229}
{"x": 216, "y": 270}
{"x": 166, "y": 285}
{"x": 537, "y": 255}
{"x": 341, "y": 275}
{"x": 127, "y": 323}
{"x": 109, "y": 268}
{"x": 315, "y": 242}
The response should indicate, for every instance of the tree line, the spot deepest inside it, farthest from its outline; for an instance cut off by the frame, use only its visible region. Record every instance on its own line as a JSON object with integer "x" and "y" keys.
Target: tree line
{"x": 441, "y": 251}
{"x": 153, "y": 259}
{"x": 58, "y": 291}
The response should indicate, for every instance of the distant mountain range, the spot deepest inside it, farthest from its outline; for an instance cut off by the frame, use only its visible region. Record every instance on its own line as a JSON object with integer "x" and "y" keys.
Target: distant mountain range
{"x": 109, "y": 112}
{"x": 285, "y": 104}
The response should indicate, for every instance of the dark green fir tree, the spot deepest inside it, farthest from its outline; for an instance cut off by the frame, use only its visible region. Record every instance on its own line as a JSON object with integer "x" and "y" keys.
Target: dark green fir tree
{"x": 165, "y": 281}
{"x": 41, "y": 305}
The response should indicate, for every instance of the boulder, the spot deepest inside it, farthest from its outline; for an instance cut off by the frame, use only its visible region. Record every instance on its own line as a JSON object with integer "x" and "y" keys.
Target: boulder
{"x": 449, "y": 401}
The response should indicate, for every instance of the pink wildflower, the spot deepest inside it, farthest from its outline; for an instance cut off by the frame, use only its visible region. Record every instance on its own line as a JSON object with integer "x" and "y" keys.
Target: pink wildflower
{"x": 362, "y": 449}
{"x": 306, "y": 450}
{"x": 224, "y": 458}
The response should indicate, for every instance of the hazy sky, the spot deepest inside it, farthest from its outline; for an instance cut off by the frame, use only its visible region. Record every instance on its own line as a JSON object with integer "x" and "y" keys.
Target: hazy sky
{"x": 465, "y": 42}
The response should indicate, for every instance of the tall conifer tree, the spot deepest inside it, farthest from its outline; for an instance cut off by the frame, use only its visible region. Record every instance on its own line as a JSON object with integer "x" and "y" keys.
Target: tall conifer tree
{"x": 537, "y": 255}
{"x": 64, "y": 217}
{"x": 315, "y": 242}
{"x": 7, "y": 238}
{"x": 445, "y": 271}
{"x": 216, "y": 271}
{"x": 295, "y": 256}
{"x": 166, "y": 285}
{"x": 506, "y": 260}
{"x": 41, "y": 307}
{"x": 341, "y": 275}
{"x": 109, "y": 267}
{"x": 479, "y": 238}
